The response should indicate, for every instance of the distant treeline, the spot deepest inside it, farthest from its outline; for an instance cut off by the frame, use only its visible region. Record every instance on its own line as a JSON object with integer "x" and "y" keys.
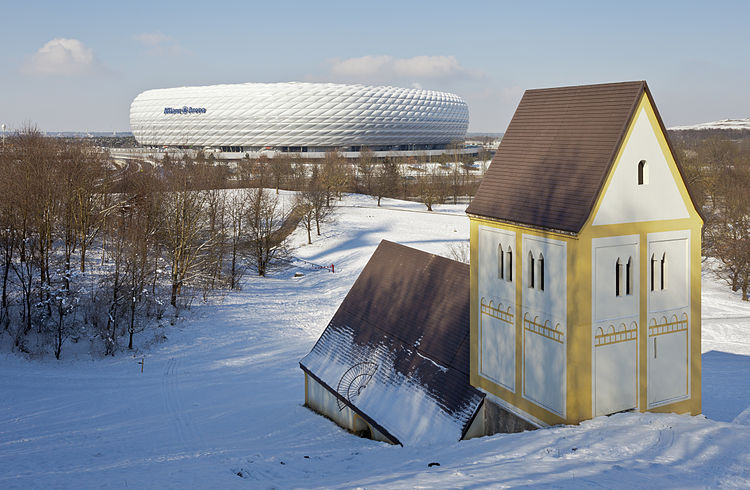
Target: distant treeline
{"x": 717, "y": 170}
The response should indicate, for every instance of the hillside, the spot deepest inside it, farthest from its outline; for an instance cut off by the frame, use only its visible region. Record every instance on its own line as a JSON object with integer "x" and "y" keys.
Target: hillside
{"x": 722, "y": 124}
{"x": 219, "y": 401}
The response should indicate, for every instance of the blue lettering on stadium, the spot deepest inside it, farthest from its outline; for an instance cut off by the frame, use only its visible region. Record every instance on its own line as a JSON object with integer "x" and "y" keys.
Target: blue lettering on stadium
{"x": 184, "y": 110}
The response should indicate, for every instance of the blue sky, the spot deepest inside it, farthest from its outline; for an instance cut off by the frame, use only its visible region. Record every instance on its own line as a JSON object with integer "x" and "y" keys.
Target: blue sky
{"x": 78, "y": 65}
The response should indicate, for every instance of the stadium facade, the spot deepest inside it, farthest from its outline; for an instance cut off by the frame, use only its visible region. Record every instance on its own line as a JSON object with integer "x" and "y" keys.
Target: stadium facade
{"x": 298, "y": 117}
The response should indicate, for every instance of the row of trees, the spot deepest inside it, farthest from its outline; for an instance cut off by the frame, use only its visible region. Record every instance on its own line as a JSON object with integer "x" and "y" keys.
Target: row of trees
{"x": 95, "y": 252}
{"x": 429, "y": 180}
{"x": 717, "y": 171}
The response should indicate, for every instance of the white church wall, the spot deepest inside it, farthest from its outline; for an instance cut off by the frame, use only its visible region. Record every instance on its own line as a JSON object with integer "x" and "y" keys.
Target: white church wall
{"x": 609, "y": 303}
{"x": 544, "y": 321}
{"x": 668, "y": 317}
{"x": 616, "y": 291}
{"x": 673, "y": 292}
{"x": 497, "y": 331}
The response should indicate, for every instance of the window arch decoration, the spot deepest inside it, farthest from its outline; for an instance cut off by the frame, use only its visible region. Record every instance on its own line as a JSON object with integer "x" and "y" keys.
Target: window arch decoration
{"x": 531, "y": 269}
{"x": 653, "y": 268}
{"x": 540, "y": 279}
{"x": 642, "y": 172}
{"x": 618, "y": 277}
{"x": 509, "y": 264}
{"x": 629, "y": 277}
{"x": 500, "y": 262}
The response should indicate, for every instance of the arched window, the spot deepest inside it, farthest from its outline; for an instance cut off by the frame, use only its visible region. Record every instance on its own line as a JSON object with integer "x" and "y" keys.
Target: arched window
{"x": 618, "y": 275}
{"x": 642, "y": 172}
{"x": 629, "y": 277}
{"x": 541, "y": 272}
{"x": 509, "y": 264}
{"x": 653, "y": 267}
{"x": 531, "y": 270}
{"x": 664, "y": 271}
{"x": 500, "y": 262}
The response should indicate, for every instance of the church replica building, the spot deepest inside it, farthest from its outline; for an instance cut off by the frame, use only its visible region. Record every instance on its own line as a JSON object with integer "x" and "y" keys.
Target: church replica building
{"x": 582, "y": 297}
{"x": 586, "y": 262}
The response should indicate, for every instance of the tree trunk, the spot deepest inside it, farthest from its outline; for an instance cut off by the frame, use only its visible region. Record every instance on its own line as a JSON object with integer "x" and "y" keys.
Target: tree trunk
{"x": 58, "y": 344}
{"x": 131, "y": 328}
{"x": 83, "y": 256}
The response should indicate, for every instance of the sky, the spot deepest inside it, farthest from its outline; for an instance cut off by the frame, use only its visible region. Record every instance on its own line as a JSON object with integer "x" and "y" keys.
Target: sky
{"x": 77, "y": 66}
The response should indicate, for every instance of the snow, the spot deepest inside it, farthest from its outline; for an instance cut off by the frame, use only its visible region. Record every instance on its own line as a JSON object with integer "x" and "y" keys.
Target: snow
{"x": 219, "y": 402}
{"x": 722, "y": 124}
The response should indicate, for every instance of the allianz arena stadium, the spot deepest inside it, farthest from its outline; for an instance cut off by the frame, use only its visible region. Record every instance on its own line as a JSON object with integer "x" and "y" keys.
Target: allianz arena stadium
{"x": 298, "y": 117}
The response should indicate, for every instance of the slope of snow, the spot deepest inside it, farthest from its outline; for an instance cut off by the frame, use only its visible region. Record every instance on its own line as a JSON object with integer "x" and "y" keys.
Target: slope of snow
{"x": 722, "y": 124}
{"x": 219, "y": 404}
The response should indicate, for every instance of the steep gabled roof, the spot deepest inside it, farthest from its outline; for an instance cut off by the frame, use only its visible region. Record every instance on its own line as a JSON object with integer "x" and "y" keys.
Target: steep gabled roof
{"x": 556, "y": 154}
{"x": 407, "y": 319}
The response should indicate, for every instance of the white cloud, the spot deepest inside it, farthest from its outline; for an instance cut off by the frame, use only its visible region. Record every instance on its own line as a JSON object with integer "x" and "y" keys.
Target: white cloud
{"x": 159, "y": 43}
{"x": 428, "y": 67}
{"x": 384, "y": 67}
{"x": 62, "y": 56}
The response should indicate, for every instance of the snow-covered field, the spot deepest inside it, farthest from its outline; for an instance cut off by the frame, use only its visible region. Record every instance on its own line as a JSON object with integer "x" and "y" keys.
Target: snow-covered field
{"x": 219, "y": 403}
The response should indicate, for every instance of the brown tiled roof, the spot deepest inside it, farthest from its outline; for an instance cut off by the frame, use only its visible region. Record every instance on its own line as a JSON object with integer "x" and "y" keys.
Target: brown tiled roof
{"x": 555, "y": 156}
{"x": 408, "y": 310}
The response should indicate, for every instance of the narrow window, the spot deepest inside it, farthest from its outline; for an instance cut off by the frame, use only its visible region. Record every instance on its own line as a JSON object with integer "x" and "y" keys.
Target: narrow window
{"x": 629, "y": 277}
{"x": 664, "y": 271}
{"x": 500, "y": 262}
{"x": 642, "y": 173}
{"x": 531, "y": 270}
{"x": 541, "y": 272}
{"x": 509, "y": 265}
{"x": 618, "y": 273}
{"x": 653, "y": 266}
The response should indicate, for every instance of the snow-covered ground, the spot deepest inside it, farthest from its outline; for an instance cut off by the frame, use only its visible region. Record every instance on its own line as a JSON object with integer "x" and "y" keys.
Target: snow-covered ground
{"x": 219, "y": 403}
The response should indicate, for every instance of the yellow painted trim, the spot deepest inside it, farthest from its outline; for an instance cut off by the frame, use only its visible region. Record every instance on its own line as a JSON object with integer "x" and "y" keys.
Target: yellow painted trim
{"x": 603, "y": 231}
{"x": 306, "y": 397}
{"x": 519, "y": 228}
{"x": 474, "y": 367}
{"x": 520, "y": 333}
{"x": 643, "y": 323}
{"x": 580, "y": 335}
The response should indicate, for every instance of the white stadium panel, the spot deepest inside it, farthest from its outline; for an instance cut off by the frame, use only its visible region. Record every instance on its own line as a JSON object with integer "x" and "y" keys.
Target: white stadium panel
{"x": 297, "y": 114}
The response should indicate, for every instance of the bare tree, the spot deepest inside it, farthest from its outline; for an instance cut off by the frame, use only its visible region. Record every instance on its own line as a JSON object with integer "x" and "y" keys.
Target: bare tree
{"x": 265, "y": 222}
{"x": 237, "y": 211}
{"x": 335, "y": 175}
{"x": 387, "y": 176}
{"x": 185, "y": 240}
{"x": 431, "y": 188}
{"x": 366, "y": 170}
{"x": 280, "y": 169}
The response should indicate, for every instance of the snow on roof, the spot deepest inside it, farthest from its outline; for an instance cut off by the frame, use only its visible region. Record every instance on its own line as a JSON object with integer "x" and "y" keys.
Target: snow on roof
{"x": 397, "y": 349}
